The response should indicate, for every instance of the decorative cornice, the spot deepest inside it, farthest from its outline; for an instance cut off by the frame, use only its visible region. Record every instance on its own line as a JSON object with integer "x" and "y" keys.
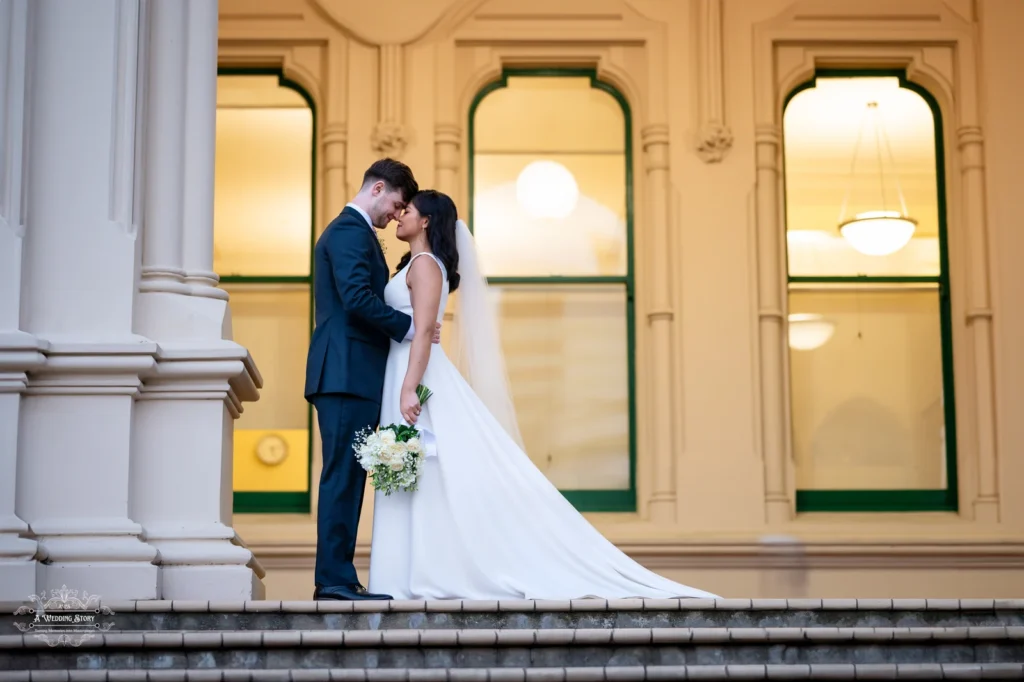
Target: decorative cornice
{"x": 19, "y": 353}
{"x": 84, "y": 368}
{"x": 184, "y": 371}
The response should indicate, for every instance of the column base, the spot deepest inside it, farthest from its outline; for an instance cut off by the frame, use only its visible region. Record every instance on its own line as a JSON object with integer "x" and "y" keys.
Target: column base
{"x": 110, "y": 581}
{"x": 17, "y": 580}
{"x": 778, "y": 510}
{"x": 662, "y": 508}
{"x": 986, "y": 509}
{"x": 211, "y": 583}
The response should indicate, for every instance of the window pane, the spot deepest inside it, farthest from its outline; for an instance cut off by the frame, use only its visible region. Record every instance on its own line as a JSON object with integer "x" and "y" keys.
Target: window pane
{"x": 263, "y": 184}
{"x": 272, "y": 321}
{"x": 566, "y": 354}
{"x": 551, "y": 198}
{"x": 837, "y": 149}
{"x": 867, "y": 388}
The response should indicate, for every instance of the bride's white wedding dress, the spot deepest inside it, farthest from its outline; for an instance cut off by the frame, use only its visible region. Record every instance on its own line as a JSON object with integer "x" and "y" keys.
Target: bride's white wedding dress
{"x": 485, "y": 523}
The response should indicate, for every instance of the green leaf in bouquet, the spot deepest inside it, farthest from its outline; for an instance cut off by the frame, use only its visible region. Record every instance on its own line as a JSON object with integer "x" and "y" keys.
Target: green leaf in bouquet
{"x": 423, "y": 393}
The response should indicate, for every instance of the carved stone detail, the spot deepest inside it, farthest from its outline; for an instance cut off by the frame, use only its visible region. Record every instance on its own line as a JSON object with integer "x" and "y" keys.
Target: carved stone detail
{"x": 389, "y": 138}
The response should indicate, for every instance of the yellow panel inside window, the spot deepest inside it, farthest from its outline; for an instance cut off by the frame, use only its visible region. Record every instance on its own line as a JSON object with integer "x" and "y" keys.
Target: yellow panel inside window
{"x": 271, "y": 451}
{"x": 263, "y": 198}
{"x": 549, "y": 180}
{"x": 853, "y": 146}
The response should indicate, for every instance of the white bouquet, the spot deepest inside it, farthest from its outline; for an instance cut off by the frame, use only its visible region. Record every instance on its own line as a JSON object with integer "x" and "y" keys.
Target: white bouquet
{"x": 392, "y": 455}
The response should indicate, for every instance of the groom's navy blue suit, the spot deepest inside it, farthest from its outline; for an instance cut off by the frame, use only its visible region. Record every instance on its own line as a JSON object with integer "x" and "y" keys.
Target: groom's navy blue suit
{"x": 345, "y": 377}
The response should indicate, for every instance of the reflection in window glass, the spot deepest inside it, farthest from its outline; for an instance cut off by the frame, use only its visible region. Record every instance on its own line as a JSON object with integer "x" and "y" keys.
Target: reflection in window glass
{"x": 263, "y": 182}
{"x": 550, "y": 199}
{"x": 867, "y": 404}
{"x": 870, "y": 364}
{"x": 565, "y": 349}
{"x": 263, "y": 207}
{"x": 551, "y": 214}
{"x": 823, "y": 126}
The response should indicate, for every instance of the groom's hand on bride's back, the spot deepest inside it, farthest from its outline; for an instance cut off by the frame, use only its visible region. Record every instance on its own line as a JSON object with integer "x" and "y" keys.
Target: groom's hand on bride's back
{"x": 437, "y": 332}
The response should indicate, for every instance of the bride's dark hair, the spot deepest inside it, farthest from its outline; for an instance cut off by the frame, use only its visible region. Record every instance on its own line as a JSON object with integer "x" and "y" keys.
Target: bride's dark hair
{"x": 441, "y": 214}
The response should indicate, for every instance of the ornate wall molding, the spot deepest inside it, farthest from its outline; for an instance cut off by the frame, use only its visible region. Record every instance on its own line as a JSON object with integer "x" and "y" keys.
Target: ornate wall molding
{"x": 390, "y": 135}
{"x": 936, "y": 47}
{"x": 714, "y": 137}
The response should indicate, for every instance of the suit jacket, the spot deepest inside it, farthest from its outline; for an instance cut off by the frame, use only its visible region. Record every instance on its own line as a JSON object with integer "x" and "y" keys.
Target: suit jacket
{"x": 348, "y": 351}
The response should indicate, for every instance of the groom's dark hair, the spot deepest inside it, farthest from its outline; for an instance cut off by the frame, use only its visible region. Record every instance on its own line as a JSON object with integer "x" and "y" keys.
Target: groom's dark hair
{"x": 395, "y": 174}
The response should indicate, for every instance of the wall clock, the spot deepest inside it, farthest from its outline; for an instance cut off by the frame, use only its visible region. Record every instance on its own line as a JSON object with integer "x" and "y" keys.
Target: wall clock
{"x": 271, "y": 449}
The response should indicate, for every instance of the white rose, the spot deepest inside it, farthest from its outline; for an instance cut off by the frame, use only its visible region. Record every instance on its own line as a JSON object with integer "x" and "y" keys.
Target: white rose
{"x": 387, "y": 437}
{"x": 414, "y": 446}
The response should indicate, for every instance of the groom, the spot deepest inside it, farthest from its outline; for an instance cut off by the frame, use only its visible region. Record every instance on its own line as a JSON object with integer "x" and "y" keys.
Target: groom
{"x": 347, "y": 357}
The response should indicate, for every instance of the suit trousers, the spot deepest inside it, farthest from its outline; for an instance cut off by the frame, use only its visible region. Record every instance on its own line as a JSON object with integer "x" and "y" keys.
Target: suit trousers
{"x": 342, "y": 483}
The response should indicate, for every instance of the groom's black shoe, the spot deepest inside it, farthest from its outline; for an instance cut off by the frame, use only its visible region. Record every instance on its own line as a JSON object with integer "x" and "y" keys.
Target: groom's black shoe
{"x": 348, "y": 593}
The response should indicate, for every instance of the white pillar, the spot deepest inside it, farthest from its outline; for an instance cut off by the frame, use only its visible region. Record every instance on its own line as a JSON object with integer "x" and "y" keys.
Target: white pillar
{"x": 79, "y": 258}
{"x": 661, "y": 316}
{"x": 771, "y": 323}
{"x": 162, "y": 259}
{"x": 183, "y": 430}
{"x": 200, "y": 147}
{"x": 19, "y": 352}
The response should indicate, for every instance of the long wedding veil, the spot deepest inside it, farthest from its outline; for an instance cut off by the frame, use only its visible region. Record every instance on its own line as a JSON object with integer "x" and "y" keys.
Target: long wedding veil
{"x": 478, "y": 355}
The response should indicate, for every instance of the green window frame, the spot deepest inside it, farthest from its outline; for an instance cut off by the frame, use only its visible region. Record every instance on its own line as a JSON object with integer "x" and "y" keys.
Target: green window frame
{"x": 914, "y": 500}
{"x": 284, "y": 502}
{"x": 619, "y": 500}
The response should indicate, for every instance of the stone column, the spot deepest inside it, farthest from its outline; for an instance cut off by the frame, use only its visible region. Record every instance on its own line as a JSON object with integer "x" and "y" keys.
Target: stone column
{"x": 19, "y": 352}
{"x": 335, "y": 132}
{"x": 660, "y": 317}
{"x": 200, "y": 148}
{"x": 79, "y": 258}
{"x": 181, "y": 479}
{"x": 771, "y": 324}
{"x": 162, "y": 255}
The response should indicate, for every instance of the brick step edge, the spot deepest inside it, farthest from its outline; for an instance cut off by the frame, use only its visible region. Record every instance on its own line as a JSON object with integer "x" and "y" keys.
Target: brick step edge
{"x": 895, "y": 671}
{"x": 489, "y": 637}
{"x": 555, "y": 606}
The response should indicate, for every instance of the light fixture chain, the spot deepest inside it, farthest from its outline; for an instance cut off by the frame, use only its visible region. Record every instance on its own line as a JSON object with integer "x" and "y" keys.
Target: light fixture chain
{"x": 878, "y": 153}
{"x": 853, "y": 167}
{"x": 892, "y": 160}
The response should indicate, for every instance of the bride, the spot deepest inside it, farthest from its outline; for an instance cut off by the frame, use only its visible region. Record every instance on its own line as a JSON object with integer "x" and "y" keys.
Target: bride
{"x": 485, "y": 523}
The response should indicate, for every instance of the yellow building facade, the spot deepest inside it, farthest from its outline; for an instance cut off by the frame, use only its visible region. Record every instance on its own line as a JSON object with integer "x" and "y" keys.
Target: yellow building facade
{"x": 755, "y": 261}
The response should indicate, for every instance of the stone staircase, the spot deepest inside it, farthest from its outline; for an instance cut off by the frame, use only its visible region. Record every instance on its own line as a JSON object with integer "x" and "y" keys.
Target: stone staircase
{"x": 589, "y": 639}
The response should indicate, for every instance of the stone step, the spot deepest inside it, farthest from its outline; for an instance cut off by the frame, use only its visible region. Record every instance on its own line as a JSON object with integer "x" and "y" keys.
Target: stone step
{"x": 526, "y": 648}
{"x": 618, "y": 637}
{"x": 150, "y": 616}
{"x": 903, "y": 671}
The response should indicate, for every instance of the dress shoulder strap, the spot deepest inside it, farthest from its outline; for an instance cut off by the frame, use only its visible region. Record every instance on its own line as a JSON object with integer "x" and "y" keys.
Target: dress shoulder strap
{"x": 437, "y": 260}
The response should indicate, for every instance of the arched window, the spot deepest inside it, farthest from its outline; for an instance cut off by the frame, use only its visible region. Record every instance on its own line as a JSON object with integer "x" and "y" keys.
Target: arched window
{"x": 551, "y": 209}
{"x": 871, "y": 371}
{"x": 263, "y": 236}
